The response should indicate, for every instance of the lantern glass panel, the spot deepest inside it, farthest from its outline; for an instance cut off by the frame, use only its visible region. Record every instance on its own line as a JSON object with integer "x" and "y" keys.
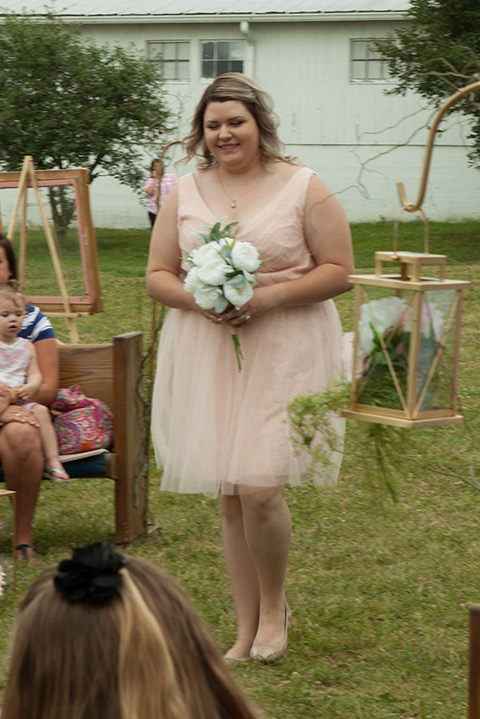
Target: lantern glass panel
{"x": 384, "y": 333}
{"x": 437, "y": 350}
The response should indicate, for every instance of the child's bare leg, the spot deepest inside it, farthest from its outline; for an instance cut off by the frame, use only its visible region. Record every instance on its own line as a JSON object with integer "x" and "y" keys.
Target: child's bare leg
{"x": 50, "y": 445}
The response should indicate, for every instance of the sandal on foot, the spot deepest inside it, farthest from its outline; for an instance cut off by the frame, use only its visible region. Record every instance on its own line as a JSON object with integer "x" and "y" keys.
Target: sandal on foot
{"x": 22, "y": 548}
{"x": 56, "y": 475}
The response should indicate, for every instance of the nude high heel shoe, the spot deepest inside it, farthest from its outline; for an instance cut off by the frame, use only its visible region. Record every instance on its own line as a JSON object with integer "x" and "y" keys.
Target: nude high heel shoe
{"x": 269, "y": 653}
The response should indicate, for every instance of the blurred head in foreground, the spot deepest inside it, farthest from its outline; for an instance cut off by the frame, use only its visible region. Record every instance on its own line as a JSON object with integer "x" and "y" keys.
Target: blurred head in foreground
{"x": 103, "y": 635}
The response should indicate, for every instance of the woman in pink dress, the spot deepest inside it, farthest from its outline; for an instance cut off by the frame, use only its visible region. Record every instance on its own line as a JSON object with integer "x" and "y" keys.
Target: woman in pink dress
{"x": 223, "y": 432}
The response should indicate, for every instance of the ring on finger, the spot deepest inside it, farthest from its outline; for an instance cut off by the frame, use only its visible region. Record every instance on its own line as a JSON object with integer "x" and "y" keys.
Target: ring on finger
{"x": 247, "y": 318}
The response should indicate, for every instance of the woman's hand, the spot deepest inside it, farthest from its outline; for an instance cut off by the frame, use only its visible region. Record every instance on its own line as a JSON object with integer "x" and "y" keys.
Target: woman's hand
{"x": 18, "y": 414}
{"x": 263, "y": 300}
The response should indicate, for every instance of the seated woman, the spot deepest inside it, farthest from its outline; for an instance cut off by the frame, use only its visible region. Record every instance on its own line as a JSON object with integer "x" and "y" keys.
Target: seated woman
{"x": 21, "y": 454}
{"x": 103, "y": 635}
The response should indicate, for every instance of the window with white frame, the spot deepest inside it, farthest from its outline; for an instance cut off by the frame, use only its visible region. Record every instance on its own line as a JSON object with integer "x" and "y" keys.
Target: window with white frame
{"x": 174, "y": 57}
{"x": 366, "y": 63}
{"x": 219, "y": 56}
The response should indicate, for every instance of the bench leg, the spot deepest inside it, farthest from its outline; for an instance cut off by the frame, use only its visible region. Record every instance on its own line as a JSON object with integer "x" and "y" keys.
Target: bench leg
{"x": 131, "y": 444}
{"x": 474, "y": 664}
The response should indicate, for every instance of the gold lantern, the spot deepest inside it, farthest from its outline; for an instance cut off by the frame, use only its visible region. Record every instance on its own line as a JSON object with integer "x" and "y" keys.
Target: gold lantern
{"x": 407, "y": 328}
{"x": 406, "y": 343}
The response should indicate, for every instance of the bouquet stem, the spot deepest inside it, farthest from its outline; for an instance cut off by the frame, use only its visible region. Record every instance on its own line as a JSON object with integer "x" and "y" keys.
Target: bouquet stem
{"x": 238, "y": 350}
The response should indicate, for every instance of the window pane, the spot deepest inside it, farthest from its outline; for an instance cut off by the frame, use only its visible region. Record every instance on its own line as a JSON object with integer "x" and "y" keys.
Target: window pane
{"x": 169, "y": 70}
{"x": 222, "y": 50}
{"x": 372, "y": 54}
{"x": 155, "y": 51}
{"x": 207, "y": 53}
{"x": 207, "y": 68}
{"x": 359, "y": 49}
{"x": 182, "y": 71}
{"x": 236, "y": 50}
{"x": 223, "y": 66}
{"x": 358, "y": 70}
{"x": 237, "y": 66}
{"x": 183, "y": 51}
{"x": 169, "y": 51}
{"x": 375, "y": 70}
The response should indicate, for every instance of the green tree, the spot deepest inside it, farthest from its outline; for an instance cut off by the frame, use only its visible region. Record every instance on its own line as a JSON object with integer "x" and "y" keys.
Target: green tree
{"x": 69, "y": 102}
{"x": 437, "y": 53}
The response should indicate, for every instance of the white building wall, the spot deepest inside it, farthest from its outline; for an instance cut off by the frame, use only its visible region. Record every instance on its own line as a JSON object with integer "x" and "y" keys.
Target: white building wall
{"x": 349, "y": 132}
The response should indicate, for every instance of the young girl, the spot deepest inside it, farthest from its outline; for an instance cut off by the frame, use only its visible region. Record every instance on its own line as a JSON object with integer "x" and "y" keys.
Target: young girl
{"x": 20, "y": 377}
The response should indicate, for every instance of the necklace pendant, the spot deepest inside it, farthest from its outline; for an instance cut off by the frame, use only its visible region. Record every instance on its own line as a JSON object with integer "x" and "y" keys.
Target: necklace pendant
{"x": 233, "y": 205}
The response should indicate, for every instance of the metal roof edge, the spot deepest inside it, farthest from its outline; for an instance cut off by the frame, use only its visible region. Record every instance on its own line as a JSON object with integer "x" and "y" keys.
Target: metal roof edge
{"x": 352, "y": 16}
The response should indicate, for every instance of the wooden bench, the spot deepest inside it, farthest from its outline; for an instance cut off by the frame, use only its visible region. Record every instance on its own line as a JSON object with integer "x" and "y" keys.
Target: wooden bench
{"x": 112, "y": 372}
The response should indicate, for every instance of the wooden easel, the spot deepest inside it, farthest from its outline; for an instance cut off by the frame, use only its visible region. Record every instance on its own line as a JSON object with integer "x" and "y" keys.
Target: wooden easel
{"x": 28, "y": 179}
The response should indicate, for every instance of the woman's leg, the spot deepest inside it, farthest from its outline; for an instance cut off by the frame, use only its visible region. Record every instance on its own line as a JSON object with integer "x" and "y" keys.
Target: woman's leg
{"x": 22, "y": 463}
{"x": 242, "y": 575}
{"x": 267, "y": 526}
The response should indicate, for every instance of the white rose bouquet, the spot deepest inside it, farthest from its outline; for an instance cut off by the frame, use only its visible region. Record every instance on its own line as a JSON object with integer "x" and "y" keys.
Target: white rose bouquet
{"x": 221, "y": 273}
{"x": 384, "y": 327}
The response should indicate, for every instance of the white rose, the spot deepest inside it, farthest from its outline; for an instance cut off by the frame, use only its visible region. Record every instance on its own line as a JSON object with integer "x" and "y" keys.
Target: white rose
{"x": 430, "y": 317}
{"x": 192, "y": 281}
{"x": 238, "y": 296}
{"x": 206, "y": 298}
{"x": 245, "y": 256}
{"x": 204, "y": 253}
{"x": 214, "y": 271}
{"x": 381, "y": 314}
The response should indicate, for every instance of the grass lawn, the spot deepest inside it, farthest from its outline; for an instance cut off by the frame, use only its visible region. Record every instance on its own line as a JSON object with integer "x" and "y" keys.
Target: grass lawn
{"x": 379, "y": 591}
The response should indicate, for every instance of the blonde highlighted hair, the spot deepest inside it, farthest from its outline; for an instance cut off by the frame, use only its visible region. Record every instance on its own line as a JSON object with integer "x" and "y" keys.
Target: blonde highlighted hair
{"x": 235, "y": 86}
{"x": 143, "y": 654}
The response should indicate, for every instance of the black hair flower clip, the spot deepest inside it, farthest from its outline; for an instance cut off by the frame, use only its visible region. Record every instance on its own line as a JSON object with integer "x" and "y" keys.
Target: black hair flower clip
{"x": 92, "y": 574}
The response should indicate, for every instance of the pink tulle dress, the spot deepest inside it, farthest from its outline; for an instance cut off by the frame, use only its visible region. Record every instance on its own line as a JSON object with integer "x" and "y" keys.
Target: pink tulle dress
{"x": 220, "y": 431}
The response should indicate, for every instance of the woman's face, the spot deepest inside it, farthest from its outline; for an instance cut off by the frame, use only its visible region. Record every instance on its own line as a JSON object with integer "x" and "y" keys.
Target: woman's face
{"x": 231, "y": 134}
{"x": 5, "y": 273}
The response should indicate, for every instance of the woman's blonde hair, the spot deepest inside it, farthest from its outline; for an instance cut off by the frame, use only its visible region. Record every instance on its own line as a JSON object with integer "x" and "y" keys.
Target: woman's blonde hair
{"x": 235, "y": 86}
{"x": 141, "y": 654}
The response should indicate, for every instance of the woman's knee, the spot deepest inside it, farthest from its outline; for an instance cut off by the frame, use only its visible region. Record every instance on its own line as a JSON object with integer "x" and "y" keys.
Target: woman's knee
{"x": 19, "y": 440}
{"x": 262, "y": 502}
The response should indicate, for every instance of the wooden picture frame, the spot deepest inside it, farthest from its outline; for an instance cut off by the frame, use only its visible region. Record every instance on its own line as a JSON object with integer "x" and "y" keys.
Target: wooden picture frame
{"x": 63, "y": 304}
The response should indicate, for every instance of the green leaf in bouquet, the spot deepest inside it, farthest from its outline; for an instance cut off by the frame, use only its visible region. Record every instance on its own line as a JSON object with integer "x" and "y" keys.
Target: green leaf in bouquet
{"x": 221, "y": 304}
{"x": 226, "y": 254}
{"x": 236, "y": 281}
{"x": 227, "y": 230}
{"x": 215, "y": 231}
